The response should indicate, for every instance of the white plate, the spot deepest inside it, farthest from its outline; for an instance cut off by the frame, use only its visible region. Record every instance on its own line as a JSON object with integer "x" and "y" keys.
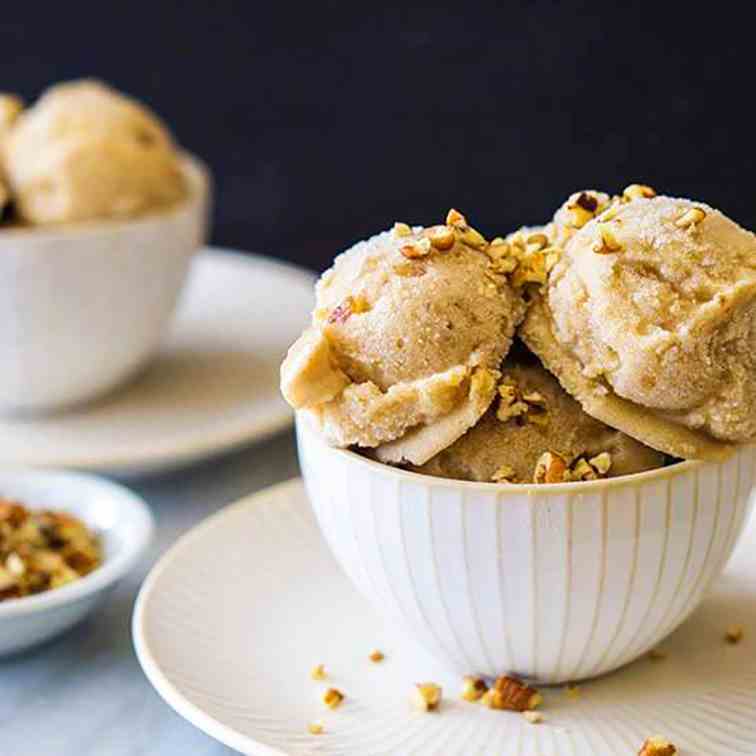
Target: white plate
{"x": 214, "y": 385}
{"x": 231, "y": 620}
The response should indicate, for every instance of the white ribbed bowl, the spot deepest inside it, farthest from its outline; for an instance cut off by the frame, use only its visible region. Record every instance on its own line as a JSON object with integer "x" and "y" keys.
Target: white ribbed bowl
{"x": 555, "y": 583}
{"x": 83, "y": 307}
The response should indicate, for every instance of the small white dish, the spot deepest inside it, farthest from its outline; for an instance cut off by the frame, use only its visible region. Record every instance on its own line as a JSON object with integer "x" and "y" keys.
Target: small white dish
{"x": 232, "y": 619}
{"x": 121, "y": 519}
{"x": 83, "y": 307}
{"x": 212, "y": 387}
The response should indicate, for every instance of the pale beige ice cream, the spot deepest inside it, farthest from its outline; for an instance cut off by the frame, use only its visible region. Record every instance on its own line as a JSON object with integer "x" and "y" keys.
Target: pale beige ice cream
{"x": 85, "y": 152}
{"x": 406, "y": 341}
{"x": 10, "y": 108}
{"x": 535, "y": 425}
{"x": 649, "y": 319}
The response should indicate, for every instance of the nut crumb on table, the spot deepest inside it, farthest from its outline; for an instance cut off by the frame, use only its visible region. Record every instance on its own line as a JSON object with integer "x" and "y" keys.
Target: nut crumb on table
{"x": 657, "y": 746}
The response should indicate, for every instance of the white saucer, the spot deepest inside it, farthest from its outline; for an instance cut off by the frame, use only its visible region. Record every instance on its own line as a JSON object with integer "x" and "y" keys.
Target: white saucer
{"x": 231, "y": 620}
{"x": 214, "y": 385}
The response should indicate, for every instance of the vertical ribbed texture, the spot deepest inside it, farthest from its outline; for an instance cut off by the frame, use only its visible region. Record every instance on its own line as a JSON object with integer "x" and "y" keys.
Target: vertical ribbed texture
{"x": 552, "y": 585}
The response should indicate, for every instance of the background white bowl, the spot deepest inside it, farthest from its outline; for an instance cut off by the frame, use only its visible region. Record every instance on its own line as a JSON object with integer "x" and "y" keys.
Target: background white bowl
{"x": 553, "y": 582}
{"x": 121, "y": 519}
{"x": 82, "y": 308}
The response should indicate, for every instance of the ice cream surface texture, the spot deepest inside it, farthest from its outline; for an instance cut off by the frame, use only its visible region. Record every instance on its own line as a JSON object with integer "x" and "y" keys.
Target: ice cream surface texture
{"x": 84, "y": 152}
{"x": 649, "y": 319}
{"x": 535, "y": 424}
{"x": 403, "y": 352}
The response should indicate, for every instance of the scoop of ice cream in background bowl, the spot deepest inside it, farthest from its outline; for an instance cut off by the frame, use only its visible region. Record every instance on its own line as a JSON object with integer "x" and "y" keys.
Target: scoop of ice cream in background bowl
{"x": 102, "y": 215}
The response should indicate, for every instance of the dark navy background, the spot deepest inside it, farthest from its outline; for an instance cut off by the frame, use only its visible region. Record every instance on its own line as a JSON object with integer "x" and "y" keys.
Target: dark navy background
{"x": 324, "y": 123}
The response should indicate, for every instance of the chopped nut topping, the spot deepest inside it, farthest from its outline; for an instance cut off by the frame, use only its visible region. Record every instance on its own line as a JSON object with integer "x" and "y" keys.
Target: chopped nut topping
{"x": 691, "y": 218}
{"x": 638, "y": 191}
{"x": 582, "y": 210}
{"x": 376, "y": 656}
{"x": 505, "y": 472}
{"x": 602, "y": 463}
{"x": 534, "y": 717}
{"x": 318, "y": 672}
{"x": 473, "y": 688}
{"x": 550, "y": 468}
{"x": 401, "y": 229}
{"x": 455, "y": 218}
{"x": 587, "y": 201}
{"x": 409, "y": 269}
{"x": 581, "y": 470}
{"x": 316, "y": 728}
{"x": 733, "y": 635}
{"x": 40, "y": 550}
{"x": 514, "y": 403}
{"x": 537, "y": 241}
{"x": 441, "y": 237}
{"x": 359, "y": 305}
{"x": 472, "y": 238}
{"x": 342, "y": 312}
{"x": 511, "y": 694}
{"x": 607, "y": 242}
{"x": 332, "y": 698}
{"x": 657, "y": 746}
{"x": 415, "y": 249}
{"x": 427, "y": 696}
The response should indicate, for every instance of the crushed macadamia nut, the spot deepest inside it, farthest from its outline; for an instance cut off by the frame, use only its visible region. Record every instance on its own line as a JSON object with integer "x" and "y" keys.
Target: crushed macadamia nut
{"x": 316, "y": 728}
{"x": 376, "y": 656}
{"x": 511, "y": 694}
{"x": 318, "y": 672}
{"x": 734, "y": 634}
{"x": 427, "y": 696}
{"x": 473, "y": 688}
{"x": 657, "y": 746}
{"x": 534, "y": 717}
{"x": 550, "y": 468}
{"x": 332, "y": 698}
{"x": 42, "y": 549}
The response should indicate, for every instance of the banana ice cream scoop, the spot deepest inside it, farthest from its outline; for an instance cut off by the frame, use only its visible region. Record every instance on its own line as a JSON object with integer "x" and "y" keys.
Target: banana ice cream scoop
{"x": 406, "y": 340}
{"x": 536, "y": 432}
{"x": 649, "y": 320}
{"x": 84, "y": 152}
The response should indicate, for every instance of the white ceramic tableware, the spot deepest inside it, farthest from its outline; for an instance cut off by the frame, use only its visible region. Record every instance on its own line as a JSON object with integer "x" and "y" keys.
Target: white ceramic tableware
{"x": 83, "y": 307}
{"x": 120, "y": 518}
{"x": 555, "y": 583}
{"x": 213, "y": 385}
{"x": 232, "y": 619}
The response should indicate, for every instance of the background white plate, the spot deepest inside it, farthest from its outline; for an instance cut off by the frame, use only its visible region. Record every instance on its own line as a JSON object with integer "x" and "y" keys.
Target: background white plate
{"x": 213, "y": 386}
{"x": 231, "y": 620}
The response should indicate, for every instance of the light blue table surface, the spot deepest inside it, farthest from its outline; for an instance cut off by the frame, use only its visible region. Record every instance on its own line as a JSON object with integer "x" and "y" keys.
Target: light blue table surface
{"x": 84, "y": 694}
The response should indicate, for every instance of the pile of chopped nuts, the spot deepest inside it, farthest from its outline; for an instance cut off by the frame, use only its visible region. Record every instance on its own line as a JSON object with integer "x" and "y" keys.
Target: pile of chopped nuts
{"x": 552, "y": 467}
{"x": 41, "y": 550}
{"x": 526, "y": 406}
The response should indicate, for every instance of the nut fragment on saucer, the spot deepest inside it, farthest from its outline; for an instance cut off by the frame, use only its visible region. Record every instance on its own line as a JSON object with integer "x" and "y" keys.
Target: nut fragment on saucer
{"x": 534, "y": 717}
{"x": 473, "y": 688}
{"x": 657, "y": 746}
{"x": 427, "y": 696}
{"x": 318, "y": 672}
{"x": 316, "y": 728}
{"x": 376, "y": 656}
{"x": 332, "y": 698}
{"x": 734, "y": 634}
{"x": 42, "y": 549}
{"x": 510, "y": 694}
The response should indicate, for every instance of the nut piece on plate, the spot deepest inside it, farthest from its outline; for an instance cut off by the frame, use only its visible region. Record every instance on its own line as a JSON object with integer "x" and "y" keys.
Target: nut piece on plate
{"x": 657, "y": 746}
{"x": 84, "y": 152}
{"x": 406, "y": 339}
{"x": 427, "y": 696}
{"x": 332, "y": 698}
{"x": 734, "y": 634}
{"x": 473, "y": 688}
{"x": 536, "y": 432}
{"x": 511, "y": 694}
{"x": 376, "y": 656}
{"x": 656, "y": 336}
{"x": 318, "y": 672}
